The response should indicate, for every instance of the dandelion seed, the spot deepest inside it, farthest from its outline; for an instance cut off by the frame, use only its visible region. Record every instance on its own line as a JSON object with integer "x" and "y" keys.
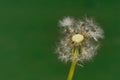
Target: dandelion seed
{"x": 80, "y": 41}
{"x": 66, "y": 22}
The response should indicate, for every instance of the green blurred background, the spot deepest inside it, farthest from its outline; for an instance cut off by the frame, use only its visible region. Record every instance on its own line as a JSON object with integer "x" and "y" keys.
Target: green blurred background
{"x": 29, "y": 31}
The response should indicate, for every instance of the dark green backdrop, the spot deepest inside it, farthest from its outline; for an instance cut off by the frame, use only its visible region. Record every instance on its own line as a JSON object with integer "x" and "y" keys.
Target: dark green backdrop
{"x": 29, "y": 31}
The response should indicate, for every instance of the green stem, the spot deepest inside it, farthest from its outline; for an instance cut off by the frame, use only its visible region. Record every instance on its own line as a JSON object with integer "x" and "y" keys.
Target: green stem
{"x": 73, "y": 64}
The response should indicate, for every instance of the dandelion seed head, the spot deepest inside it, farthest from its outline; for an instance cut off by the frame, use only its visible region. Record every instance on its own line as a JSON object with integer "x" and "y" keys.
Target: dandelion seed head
{"x": 81, "y": 34}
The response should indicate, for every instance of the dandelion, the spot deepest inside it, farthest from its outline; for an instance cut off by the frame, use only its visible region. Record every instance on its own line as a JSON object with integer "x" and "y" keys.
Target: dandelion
{"x": 79, "y": 42}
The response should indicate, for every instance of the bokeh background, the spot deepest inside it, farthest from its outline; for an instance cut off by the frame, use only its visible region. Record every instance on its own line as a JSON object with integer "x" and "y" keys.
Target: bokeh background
{"x": 29, "y": 33}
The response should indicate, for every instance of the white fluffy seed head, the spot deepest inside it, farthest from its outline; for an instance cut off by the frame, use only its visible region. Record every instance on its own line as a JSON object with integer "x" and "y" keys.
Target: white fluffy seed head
{"x": 86, "y": 32}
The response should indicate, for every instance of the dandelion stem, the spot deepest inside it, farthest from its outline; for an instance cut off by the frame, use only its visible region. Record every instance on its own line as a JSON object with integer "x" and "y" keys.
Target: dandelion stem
{"x": 73, "y": 64}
